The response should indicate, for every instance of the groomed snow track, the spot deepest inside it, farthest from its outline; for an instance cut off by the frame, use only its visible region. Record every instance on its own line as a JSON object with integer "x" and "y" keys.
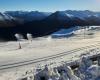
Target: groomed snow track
{"x": 27, "y": 62}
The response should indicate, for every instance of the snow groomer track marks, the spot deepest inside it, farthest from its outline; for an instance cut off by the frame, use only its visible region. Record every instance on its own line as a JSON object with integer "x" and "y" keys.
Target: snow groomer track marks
{"x": 18, "y": 64}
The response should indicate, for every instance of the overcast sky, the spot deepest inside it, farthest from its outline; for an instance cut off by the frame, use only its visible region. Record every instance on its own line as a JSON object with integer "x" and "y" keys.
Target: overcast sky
{"x": 49, "y": 5}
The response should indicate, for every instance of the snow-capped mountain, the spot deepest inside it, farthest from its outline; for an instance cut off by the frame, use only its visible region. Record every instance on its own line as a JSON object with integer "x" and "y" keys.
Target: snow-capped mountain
{"x": 60, "y": 15}
{"x": 81, "y": 14}
{"x": 68, "y": 15}
{"x": 28, "y": 16}
{"x": 44, "y": 23}
{"x": 78, "y": 14}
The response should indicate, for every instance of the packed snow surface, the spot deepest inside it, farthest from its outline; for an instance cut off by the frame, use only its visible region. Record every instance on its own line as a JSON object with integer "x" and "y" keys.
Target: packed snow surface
{"x": 44, "y": 47}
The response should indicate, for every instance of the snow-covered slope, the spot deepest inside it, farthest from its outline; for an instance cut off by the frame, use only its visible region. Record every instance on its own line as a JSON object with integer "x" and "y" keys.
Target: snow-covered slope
{"x": 81, "y": 14}
{"x": 64, "y": 32}
{"x": 5, "y": 17}
{"x": 40, "y": 48}
{"x": 61, "y": 15}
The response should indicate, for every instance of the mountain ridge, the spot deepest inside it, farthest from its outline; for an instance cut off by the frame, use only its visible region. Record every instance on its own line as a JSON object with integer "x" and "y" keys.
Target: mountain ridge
{"x": 44, "y": 23}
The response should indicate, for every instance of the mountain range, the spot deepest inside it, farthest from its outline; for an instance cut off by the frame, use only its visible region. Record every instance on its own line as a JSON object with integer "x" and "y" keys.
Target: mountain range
{"x": 43, "y": 23}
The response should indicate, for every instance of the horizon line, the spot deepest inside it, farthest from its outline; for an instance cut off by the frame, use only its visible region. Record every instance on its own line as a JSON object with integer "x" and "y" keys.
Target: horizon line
{"x": 49, "y": 11}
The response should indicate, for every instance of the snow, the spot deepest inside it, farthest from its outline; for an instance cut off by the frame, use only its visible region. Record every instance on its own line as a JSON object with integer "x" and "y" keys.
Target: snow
{"x": 43, "y": 47}
{"x": 36, "y": 15}
{"x": 1, "y": 17}
{"x": 5, "y": 17}
{"x": 64, "y": 72}
{"x": 69, "y": 15}
{"x": 28, "y": 15}
{"x": 64, "y": 32}
{"x": 80, "y": 14}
